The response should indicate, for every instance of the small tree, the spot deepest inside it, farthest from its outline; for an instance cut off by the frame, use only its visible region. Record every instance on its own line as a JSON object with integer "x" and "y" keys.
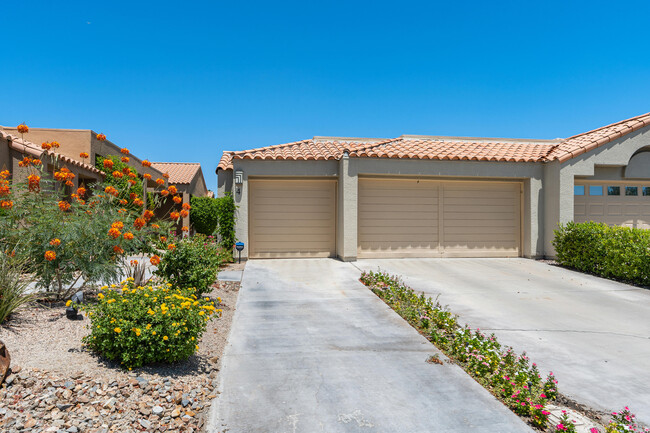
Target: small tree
{"x": 204, "y": 214}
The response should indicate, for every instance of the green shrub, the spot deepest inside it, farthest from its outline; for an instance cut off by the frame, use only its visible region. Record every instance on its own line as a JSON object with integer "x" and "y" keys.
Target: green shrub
{"x": 226, "y": 217}
{"x": 192, "y": 263}
{"x": 13, "y": 287}
{"x": 136, "y": 326}
{"x": 620, "y": 253}
{"x": 204, "y": 214}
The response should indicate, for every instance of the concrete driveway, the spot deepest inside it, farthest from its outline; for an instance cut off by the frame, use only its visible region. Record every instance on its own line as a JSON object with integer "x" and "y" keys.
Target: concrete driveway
{"x": 312, "y": 350}
{"x": 594, "y": 334}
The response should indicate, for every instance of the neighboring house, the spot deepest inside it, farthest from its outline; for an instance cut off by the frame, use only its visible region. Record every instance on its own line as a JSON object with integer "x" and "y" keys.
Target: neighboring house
{"x": 427, "y": 196}
{"x": 13, "y": 149}
{"x": 188, "y": 178}
{"x": 75, "y": 141}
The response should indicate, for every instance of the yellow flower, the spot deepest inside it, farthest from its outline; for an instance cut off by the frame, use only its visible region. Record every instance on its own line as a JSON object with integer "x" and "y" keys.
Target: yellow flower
{"x": 67, "y": 304}
{"x": 150, "y": 312}
{"x": 153, "y": 333}
{"x": 148, "y": 325}
{"x": 100, "y": 296}
{"x": 137, "y": 332}
{"x": 118, "y": 330}
{"x": 197, "y": 347}
{"x": 110, "y": 301}
{"x": 192, "y": 338}
{"x": 165, "y": 338}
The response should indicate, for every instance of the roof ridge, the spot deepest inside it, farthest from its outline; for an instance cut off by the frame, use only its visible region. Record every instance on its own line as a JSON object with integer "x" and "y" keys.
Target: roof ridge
{"x": 606, "y": 126}
{"x": 275, "y": 146}
{"x": 369, "y": 146}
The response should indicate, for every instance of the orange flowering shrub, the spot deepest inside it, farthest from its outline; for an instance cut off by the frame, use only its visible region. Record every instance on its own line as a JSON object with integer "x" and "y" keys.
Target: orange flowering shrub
{"x": 172, "y": 189}
{"x": 34, "y": 182}
{"x": 171, "y": 247}
{"x": 138, "y": 202}
{"x": 185, "y": 229}
{"x": 187, "y": 206}
{"x": 146, "y": 163}
{"x": 139, "y": 223}
{"x": 160, "y": 181}
{"x": 50, "y": 256}
{"x": 108, "y": 164}
{"x": 164, "y": 193}
{"x": 111, "y": 190}
{"x": 125, "y": 159}
{"x": 101, "y": 137}
{"x": 84, "y": 155}
{"x": 114, "y": 233}
{"x": 55, "y": 144}
{"x": 81, "y": 191}
{"x": 55, "y": 242}
{"x": 147, "y": 176}
{"x": 128, "y": 236}
{"x": 64, "y": 205}
{"x": 147, "y": 215}
{"x": 26, "y": 162}
{"x": 6, "y": 204}
{"x": 177, "y": 199}
{"x": 126, "y": 169}
{"x": 154, "y": 260}
{"x": 165, "y": 175}
{"x": 124, "y": 150}
{"x": 22, "y": 128}
{"x": 174, "y": 215}
{"x": 185, "y": 213}
{"x": 132, "y": 182}
{"x": 117, "y": 174}
{"x": 46, "y": 146}
{"x": 118, "y": 249}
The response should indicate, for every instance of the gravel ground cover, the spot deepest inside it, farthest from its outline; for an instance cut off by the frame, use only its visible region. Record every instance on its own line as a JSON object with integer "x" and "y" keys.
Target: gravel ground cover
{"x": 58, "y": 386}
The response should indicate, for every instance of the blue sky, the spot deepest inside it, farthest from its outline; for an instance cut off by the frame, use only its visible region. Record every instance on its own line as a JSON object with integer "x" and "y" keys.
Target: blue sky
{"x": 182, "y": 81}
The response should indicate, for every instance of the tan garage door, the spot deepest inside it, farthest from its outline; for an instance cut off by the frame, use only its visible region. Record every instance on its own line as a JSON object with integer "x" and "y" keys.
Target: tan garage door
{"x": 614, "y": 203}
{"x": 292, "y": 218}
{"x": 426, "y": 218}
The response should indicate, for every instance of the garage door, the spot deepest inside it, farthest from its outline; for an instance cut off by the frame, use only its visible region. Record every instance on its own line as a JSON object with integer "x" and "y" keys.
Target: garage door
{"x": 614, "y": 203}
{"x": 426, "y": 218}
{"x": 292, "y": 218}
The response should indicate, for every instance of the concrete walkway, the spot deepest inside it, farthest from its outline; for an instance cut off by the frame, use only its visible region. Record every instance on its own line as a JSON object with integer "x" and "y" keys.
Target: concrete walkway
{"x": 593, "y": 333}
{"x": 312, "y": 350}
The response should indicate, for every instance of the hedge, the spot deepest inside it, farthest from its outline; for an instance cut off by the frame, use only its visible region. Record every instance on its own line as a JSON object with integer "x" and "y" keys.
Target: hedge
{"x": 204, "y": 214}
{"x": 620, "y": 253}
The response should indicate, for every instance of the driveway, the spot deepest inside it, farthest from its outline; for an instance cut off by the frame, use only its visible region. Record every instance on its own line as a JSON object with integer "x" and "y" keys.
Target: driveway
{"x": 594, "y": 334}
{"x": 312, "y": 350}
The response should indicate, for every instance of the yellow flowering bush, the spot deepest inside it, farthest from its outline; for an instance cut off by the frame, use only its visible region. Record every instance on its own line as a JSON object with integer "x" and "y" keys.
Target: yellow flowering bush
{"x": 140, "y": 325}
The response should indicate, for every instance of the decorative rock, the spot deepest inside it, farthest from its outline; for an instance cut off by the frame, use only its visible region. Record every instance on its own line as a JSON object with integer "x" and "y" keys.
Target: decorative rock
{"x": 5, "y": 361}
{"x": 72, "y": 429}
{"x": 185, "y": 402}
{"x": 69, "y": 384}
{"x": 157, "y": 410}
{"x": 176, "y": 413}
{"x": 144, "y": 423}
{"x": 16, "y": 369}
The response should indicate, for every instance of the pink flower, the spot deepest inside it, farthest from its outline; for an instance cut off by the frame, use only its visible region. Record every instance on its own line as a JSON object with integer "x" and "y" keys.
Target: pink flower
{"x": 593, "y": 430}
{"x": 560, "y": 427}
{"x": 542, "y": 395}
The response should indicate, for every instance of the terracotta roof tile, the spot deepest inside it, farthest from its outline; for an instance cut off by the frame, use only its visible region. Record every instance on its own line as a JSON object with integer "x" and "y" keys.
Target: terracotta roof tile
{"x": 581, "y": 143}
{"x": 179, "y": 172}
{"x": 36, "y": 151}
{"x": 443, "y": 148}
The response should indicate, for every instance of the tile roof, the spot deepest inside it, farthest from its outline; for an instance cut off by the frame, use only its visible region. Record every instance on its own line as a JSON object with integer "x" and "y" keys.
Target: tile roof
{"x": 443, "y": 148}
{"x": 581, "y": 143}
{"x": 457, "y": 150}
{"x": 36, "y": 151}
{"x": 179, "y": 172}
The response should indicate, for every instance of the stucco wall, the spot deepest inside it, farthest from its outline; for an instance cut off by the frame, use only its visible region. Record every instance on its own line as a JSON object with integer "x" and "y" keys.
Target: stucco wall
{"x": 560, "y": 177}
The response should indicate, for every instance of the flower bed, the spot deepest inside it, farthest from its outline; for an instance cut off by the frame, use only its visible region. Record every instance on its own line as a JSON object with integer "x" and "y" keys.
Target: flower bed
{"x": 510, "y": 377}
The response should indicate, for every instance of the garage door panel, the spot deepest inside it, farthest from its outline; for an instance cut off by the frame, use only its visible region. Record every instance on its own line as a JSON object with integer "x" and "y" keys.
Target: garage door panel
{"x": 621, "y": 210}
{"x": 292, "y": 218}
{"x": 402, "y": 220}
{"x": 396, "y": 217}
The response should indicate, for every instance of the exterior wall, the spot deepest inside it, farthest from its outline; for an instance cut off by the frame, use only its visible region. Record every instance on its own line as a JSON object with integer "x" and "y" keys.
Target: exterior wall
{"x": 5, "y": 156}
{"x": 559, "y": 177}
{"x": 639, "y": 166}
{"x": 72, "y": 141}
{"x": 224, "y": 182}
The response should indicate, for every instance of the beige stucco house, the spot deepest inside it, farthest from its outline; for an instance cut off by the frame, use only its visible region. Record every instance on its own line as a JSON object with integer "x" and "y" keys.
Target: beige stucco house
{"x": 429, "y": 196}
